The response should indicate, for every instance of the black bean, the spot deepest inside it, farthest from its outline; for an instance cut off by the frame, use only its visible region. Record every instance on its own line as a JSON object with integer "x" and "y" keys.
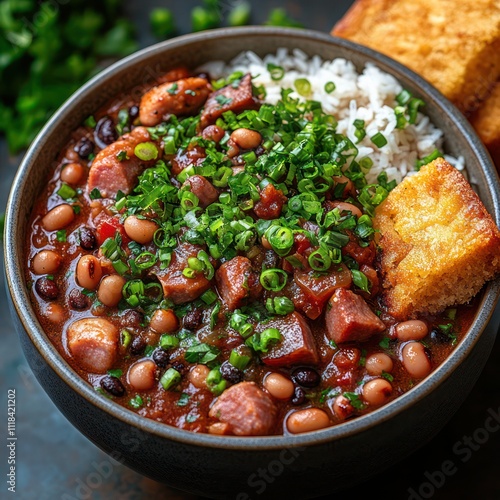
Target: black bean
{"x": 161, "y": 357}
{"x": 46, "y": 288}
{"x": 192, "y": 319}
{"x": 231, "y": 373}
{"x": 438, "y": 336}
{"x": 105, "y": 132}
{"x": 77, "y": 299}
{"x": 299, "y": 396}
{"x": 132, "y": 318}
{"x": 180, "y": 367}
{"x": 137, "y": 346}
{"x": 306, "y": 377}
{"x": 87, "y": 238}
{"x": 133, "y": 112}
{"x": 84, "y": 147}
{"x": 112, "y": 385}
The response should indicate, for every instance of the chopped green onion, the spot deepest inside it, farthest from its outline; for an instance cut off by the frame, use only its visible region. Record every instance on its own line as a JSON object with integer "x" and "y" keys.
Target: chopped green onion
{"x": 427, "y": 159}
{"x": 95, "y": 194}
{"x": 214, "y": 315}
{"x": 413, "y": 106}
{"x": 136, "y": 402}
{"x": 125, "y": 338}
{"x": 209, "y": 297}
{"x": 61, "y": 235}
{"x": 90, "y": 122}
{"x": 215, "y": 382}
{"x": 146, "y": 151}
{"x": 329, "y": 87}
{"x": 276, "y": 72}
{"x": 280, "y": 305}
{"x": 66, "y": 192}
{"x": 403, "y": 97}
{"x": 189, "y": 272}
{"x": 262, "y": 342}
{"x": 320, "y": 260}
{"x": 201, "y": 353}
{"x": 209, "y": 270}
{"x": 239, "y": 323}
{"x": 359, "y": 124}
{"x": 238, "y": 360}
{"x": 169, "y": 341}
{"x": 280, "y": 238}
{"x": 360, "y": 280}
{"x": 273, "y": 279}
{"x": 379, "y": 139}
{"x": 303, "y": 86}
{"x": 170, "y": 379}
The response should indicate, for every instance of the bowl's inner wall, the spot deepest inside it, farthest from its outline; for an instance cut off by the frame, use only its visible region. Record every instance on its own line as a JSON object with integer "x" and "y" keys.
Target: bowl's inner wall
{"x": 145, "y": 67}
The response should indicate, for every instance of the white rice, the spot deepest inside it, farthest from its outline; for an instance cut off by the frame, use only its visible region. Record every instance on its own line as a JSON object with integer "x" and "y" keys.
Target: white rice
{"x": 369, "y": 96}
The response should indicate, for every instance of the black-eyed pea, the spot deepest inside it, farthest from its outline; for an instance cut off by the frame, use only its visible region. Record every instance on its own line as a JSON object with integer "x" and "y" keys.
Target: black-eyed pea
{"x": 279, "y": 386}
{"x": 378, "y": 363}
{"x": 58, "y": 218}
{"x": 342, "y": 407}
{"x": 377, "y": 391}
{"x": 72, "y": 173}
{"x": 309, "y": 419}
{"x": 140, "y": 230}
{"x": 46, "y": 262}
{"x": 413, "y": 329}
{"x": 164, "y": 321}
{"x": 110, "y": 290}
{"x": 88, "y": 272}
{"x": 142, "y": 375}
{"x": 198, "y": 376}
{"x": 415, "y": 360}
{"x": 246, "y": 138}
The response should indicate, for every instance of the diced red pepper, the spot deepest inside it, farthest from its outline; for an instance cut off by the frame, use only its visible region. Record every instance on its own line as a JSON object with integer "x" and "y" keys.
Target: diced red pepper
{"x": 107, "y": 229}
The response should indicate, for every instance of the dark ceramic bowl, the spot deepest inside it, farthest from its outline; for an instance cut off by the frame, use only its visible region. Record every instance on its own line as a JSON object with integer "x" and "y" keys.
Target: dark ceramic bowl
{"x": 280, "y": 466}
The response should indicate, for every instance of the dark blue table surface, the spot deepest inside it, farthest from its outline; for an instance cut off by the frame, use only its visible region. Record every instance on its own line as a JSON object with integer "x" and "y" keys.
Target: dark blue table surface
{"x": 56, "y": 462}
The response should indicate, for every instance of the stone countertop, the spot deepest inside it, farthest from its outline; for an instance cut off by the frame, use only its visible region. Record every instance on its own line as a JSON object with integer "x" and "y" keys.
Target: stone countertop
{"x": 55, "y": 461}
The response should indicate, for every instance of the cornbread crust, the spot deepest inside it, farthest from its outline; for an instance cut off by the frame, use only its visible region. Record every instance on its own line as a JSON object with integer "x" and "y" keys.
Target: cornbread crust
{"x": 437, "y": 243}
{"x": 452, "y": 43}
{"x": 486, "y": 121}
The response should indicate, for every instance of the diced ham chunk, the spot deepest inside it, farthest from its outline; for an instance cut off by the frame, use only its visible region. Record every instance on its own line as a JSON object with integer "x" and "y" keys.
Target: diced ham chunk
{"x": 93, "y": 344}
{"x": 246, "y": 409}
{"x": 303, "y": 302}
{"x": 181, "y": 98}
{"x": 270, "y": 204}
{"x": 319, "y": 288}
{"x": 176, "y": 286}
{"x": 229, "y": 98}
{"x": 236, "y": 281}
{"x": 349, "y": 318}
{"x": 109, "y": 174}
{"x": 297, "y": 345}
{"x": 203, "y": 189}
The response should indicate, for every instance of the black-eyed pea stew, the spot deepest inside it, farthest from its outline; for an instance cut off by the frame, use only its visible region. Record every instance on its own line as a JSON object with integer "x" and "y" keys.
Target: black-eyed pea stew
{"x": 208, "y": 261}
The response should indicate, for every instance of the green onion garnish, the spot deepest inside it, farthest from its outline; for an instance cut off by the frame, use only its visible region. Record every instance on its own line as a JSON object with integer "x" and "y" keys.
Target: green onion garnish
{"x": 320, "y": 260}
{"x": 238, "y": 360}
{"x": 379, "y": 140}
{"x": 66, "y": 192}
{"x": 169, "y": 341}
{"x": 329, "y": 87}
{"x": 170, "y": 379}
{"x": 276, "y": 72}
{"x": 146, "y": 151}
{"x": 273, "y": 279}
{"x": 215, "y": 382}
{"x": 279, "y": 305}
{"x": 262, "y": 342}
{"x": 303, "y": 86}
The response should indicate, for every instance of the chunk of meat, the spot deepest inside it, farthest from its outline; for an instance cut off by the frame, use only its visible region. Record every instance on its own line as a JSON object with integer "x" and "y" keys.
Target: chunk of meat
{"x": 362, "y": 255}
{"x": 109, "y": 175}
{"x": 270, "y": 204}
{"x": 236, "y": 281}
{"x": 93, "y": 343}
{"x": 246, "y": 409}
{"x": 301, "y": 301}
{"x": 318, "y": 288}
{"x": 203, "y": 189}
{"x": 176, "y": 286}
{"x": 229, "y": 98}
{"x": 349, "y": 318}
{"x": 297, "y": 345}
{"x": 180, "y": 98}
{"x": 178, "y": 73}
{"x": 194, "y": 155}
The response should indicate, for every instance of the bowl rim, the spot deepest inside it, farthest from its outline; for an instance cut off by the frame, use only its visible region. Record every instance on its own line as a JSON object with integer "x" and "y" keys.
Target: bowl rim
{"x": 60, "y": 366}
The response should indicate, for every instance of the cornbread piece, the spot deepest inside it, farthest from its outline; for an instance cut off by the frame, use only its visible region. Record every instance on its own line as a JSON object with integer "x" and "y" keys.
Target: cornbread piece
{"x": 438, "y": 244}
{"x": 486, "y": 121}
{"x": 452, "y": 43}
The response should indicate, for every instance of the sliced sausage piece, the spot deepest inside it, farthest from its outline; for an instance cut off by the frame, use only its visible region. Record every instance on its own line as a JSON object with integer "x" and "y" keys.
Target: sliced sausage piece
{"x": 194, "y": 155}
{"x": 175, "y": 285}
{"x": 246, "y": 409}
{"x": 319, "y": 288}
{"x": 270, "y": 204}
{"x": 93, "y": 343}
{"x": 229, "y": 98}
{"x": 180, "y": 98}
{"x": 203, "y": 189}
{"x": 109, "y": 174}
{"x": 236, "y": 281}
{"x": 349, "y": 318}
{"x": 297, "y": 345}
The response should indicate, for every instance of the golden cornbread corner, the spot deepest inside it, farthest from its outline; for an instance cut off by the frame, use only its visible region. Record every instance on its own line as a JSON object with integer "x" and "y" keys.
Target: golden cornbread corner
{"x": 437, "y": 243}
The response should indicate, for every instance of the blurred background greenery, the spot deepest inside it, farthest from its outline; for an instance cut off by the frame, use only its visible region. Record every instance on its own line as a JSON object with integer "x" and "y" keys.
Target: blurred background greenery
{"x": 48, "y": 49}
